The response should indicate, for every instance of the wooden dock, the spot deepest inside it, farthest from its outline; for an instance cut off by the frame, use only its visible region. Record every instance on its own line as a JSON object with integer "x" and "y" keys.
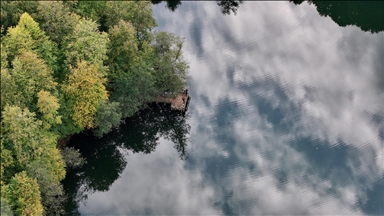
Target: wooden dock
{"x": 180, "y": 102}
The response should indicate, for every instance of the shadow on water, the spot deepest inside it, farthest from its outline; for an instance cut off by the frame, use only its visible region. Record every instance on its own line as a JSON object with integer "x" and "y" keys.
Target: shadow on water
{"x": 106, "y": 156}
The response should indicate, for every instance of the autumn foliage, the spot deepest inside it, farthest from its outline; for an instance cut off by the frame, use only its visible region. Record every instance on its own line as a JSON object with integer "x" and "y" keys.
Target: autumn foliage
{"x": 67, "y": 67}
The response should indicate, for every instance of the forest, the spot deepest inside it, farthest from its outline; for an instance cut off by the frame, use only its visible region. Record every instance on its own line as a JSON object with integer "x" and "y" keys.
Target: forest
{"x": 68, "y": 67}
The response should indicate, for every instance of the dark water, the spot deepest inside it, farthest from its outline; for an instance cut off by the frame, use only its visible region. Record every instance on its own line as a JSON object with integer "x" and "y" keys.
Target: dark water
{"x": 286, "y": 118}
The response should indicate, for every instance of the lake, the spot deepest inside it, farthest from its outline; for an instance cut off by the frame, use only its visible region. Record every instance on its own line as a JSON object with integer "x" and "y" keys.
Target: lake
{"x": 286, "y": 117}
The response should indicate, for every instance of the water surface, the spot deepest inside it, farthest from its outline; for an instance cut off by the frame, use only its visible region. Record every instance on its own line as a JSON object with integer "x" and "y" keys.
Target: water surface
{"x": 286, "y": 118}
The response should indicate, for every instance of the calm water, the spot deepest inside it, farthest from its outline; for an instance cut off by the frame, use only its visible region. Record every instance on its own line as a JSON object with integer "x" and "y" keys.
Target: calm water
{"x": 286, "y": 118}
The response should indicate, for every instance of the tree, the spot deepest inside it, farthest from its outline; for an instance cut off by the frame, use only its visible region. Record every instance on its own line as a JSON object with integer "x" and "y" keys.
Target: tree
{"x": 130, "y": 78}
{"x": 23, "y": 135}
{"x": 12, "y": 10}
{"x": 94, "y": 10}
{"x": 48, "y": 106}
{"x": 170, "y": 68}
{"x": 27, "y": 36}
{"x": 26, "y": 145}
{"x": 72, "y": 157}
{"x": 108, "y": 115}
{"x": 139, "y": 13}
{"x": 51, "y": 190}
{"x": 6, "y": 162}
{"x": 87, "y": 43}
{"x": 122, "y": 50}
{"x": 133, "y": 89}
{"x": 109, "y": 13}
{"x": 17, "y": 41}
{"x": 8, "y": 91}
{"x": 4, "y": 63}
{"x": 23, "y": 195}
{"x": 31, "y": 74}
{"x": 85, "y": 90}
{"x": 56, "y": 19}
{"x": 5, "y": 208}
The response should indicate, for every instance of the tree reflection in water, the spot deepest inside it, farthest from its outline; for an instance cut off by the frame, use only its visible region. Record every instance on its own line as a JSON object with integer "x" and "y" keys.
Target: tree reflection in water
{"x": 367, "y": 16}
{"x": 226, "y": 6}
{"x": 171, "y": 4}
{"x": 106, "y": 156}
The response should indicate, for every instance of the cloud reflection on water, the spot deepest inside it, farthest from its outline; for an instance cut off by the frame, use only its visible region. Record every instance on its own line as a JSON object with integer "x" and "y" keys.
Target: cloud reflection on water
{"x": 327, "y": 74}
{"x": 286, "y": 118}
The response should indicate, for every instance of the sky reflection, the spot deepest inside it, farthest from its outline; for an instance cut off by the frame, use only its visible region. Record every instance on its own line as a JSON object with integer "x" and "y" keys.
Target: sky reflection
{"x": 286, "y": 118}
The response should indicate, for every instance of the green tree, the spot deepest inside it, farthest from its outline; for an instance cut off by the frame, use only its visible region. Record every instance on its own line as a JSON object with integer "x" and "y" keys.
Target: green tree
{"x": 26, "y": 145}
{"x": 109, "y": 13}
{"x": 5, "y": 208}
{"x": 23, "y": 135}
{"x": 52, "y": 192}
{"x": 122, "y": 50}
{"x": 87, "y": 43}
{"x": 56, "y": 19}
{"x": 72, "y": 157}
{"x": 133, "y": 89}
{"x": 18, "y": 40}
{"x": 23, "y": 195}
{"x": 9, "y": 90}
{"x": 12, "y": 10}
{"x": 67, "y": 126}
{"x": 85, "y": 90}
{"x": 7, "y": 162}
{"x": 48, "y": 105}
{"x": 108, "y": 115}
{"x": 4, "y": 63}
{"x": 31, "y": 74}
{"x": 54, "y": 162}
{"x": 27, "y": 36}
{"x": 139, "y": 13}
{"x": 170, "y": 67}
{"x": 130, "y": 77}
{"x": 94, "y": 10}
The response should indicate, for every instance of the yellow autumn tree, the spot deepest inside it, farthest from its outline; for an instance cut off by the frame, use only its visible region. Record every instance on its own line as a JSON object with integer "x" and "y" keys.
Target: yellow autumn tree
{"x": 85, "y": 90}
{"x": 23, "y": 195}
{"x": 27, "y": 36}
{"x": 48, "y": 106}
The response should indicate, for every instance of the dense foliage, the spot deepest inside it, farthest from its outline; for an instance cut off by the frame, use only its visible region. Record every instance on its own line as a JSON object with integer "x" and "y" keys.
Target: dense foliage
{"x": 67, "y": 67}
